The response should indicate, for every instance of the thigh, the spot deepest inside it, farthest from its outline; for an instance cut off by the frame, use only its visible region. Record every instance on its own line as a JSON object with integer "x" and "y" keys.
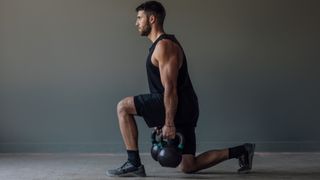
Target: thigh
{"x": 151, "y": 108}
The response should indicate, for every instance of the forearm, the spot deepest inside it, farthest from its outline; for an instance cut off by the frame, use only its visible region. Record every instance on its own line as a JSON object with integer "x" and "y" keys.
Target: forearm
{"x": 170, "y": 104}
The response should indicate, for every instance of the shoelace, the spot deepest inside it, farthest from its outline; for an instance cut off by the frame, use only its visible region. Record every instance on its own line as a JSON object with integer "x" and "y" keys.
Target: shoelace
{"x": 124, "y": 165}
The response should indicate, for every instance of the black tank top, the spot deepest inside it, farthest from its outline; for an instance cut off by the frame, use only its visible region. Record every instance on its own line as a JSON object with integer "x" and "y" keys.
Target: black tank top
{"x": 188, "y": 111}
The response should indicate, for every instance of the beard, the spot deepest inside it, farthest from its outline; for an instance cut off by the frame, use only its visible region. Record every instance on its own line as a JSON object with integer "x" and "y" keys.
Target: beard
{"x": 146, "y": 30}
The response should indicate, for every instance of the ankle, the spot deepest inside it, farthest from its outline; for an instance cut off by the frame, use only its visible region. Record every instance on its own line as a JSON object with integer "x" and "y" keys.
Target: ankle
{"x": 236, "y": 152}
{"x": 134, "y": 158}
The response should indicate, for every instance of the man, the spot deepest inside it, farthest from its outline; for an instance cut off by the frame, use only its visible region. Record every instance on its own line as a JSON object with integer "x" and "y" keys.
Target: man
{"x": 171, "y": 105}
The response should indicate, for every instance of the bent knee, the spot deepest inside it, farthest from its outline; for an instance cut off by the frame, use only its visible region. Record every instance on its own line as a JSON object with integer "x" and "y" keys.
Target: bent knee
{"x": 121, "y": 107}
{"x": 188, "y": 164}
{"x": 126, "y": 106}
{"x": 187, "y": 169}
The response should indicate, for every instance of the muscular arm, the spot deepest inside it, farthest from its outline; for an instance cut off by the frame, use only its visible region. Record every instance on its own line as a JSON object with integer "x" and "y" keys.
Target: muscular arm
{"x": 167, "y": 57}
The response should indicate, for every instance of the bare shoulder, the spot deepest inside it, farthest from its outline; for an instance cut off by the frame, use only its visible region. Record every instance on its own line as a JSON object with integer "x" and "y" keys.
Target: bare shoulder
{"x": 166, "y": 45}
{"x": 166, "y": 48}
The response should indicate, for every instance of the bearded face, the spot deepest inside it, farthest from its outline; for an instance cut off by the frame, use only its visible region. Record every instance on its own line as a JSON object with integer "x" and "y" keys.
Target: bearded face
{"x": 143, "y": 24}
{"x": 145, "y": 30}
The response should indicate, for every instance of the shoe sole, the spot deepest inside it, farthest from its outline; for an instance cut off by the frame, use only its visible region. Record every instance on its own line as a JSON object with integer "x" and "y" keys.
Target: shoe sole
{"x": 140, "y": 173}
{"x": 130, "y": 174}
{"x": 245, "y": 171}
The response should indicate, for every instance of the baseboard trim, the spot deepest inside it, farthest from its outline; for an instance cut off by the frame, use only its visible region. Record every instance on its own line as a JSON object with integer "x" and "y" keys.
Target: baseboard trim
{"x": 261, "y": 146}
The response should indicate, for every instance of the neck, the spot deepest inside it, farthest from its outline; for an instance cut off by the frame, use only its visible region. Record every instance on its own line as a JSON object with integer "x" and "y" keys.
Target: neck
{"x": 155, "y": 33}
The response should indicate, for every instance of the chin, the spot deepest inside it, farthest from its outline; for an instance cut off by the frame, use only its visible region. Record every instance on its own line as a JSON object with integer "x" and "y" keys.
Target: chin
{"x": 141, "y": 33}
{"x": 144, "y": 33}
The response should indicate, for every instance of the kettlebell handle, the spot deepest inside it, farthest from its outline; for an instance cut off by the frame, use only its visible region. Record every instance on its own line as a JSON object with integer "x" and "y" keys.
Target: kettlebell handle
{"x": 178, "y": 135}
{"x": 181, "y": 140}
{"x": 153, "y": 136}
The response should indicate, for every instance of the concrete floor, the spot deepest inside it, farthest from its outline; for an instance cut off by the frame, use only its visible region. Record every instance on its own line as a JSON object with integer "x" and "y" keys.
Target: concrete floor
{"x": 93, "y": 166}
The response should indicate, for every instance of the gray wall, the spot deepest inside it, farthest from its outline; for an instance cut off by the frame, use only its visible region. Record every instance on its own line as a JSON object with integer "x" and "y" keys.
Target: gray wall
{"x": 64, "y": 65}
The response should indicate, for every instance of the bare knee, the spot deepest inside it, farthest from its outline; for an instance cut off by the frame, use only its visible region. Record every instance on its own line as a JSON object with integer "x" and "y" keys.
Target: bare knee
{"x": 126, "y": 106}
{"x": 188, "y": 165}
{"x": 186, "y": 169}
{"x": 121, "y": 107}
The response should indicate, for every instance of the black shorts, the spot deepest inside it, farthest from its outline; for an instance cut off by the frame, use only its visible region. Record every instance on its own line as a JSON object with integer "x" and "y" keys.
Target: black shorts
{"x": 151, "y": 108}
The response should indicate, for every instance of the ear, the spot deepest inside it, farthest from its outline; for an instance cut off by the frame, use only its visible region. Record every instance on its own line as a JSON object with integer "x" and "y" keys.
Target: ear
{"x": 152, "y": 19}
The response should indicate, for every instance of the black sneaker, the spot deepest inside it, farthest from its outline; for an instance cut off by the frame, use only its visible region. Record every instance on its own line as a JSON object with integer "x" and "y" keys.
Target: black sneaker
{"x": 245, "y": 160}
{"x": 127, "y": 170}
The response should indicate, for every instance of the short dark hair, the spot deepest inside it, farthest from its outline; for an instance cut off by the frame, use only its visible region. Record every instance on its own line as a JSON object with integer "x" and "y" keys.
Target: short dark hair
{"x": 155, "y": 8}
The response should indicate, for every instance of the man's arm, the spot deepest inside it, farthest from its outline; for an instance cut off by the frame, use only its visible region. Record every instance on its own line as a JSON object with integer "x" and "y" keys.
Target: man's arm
{"x": 167, "y": 56}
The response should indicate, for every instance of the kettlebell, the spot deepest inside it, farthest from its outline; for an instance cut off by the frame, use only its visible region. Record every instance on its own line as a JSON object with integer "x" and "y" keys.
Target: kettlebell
{"x": 167, "y": 152}
{"x": 156, "y": 145}
{"x": 170, "y": 154}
